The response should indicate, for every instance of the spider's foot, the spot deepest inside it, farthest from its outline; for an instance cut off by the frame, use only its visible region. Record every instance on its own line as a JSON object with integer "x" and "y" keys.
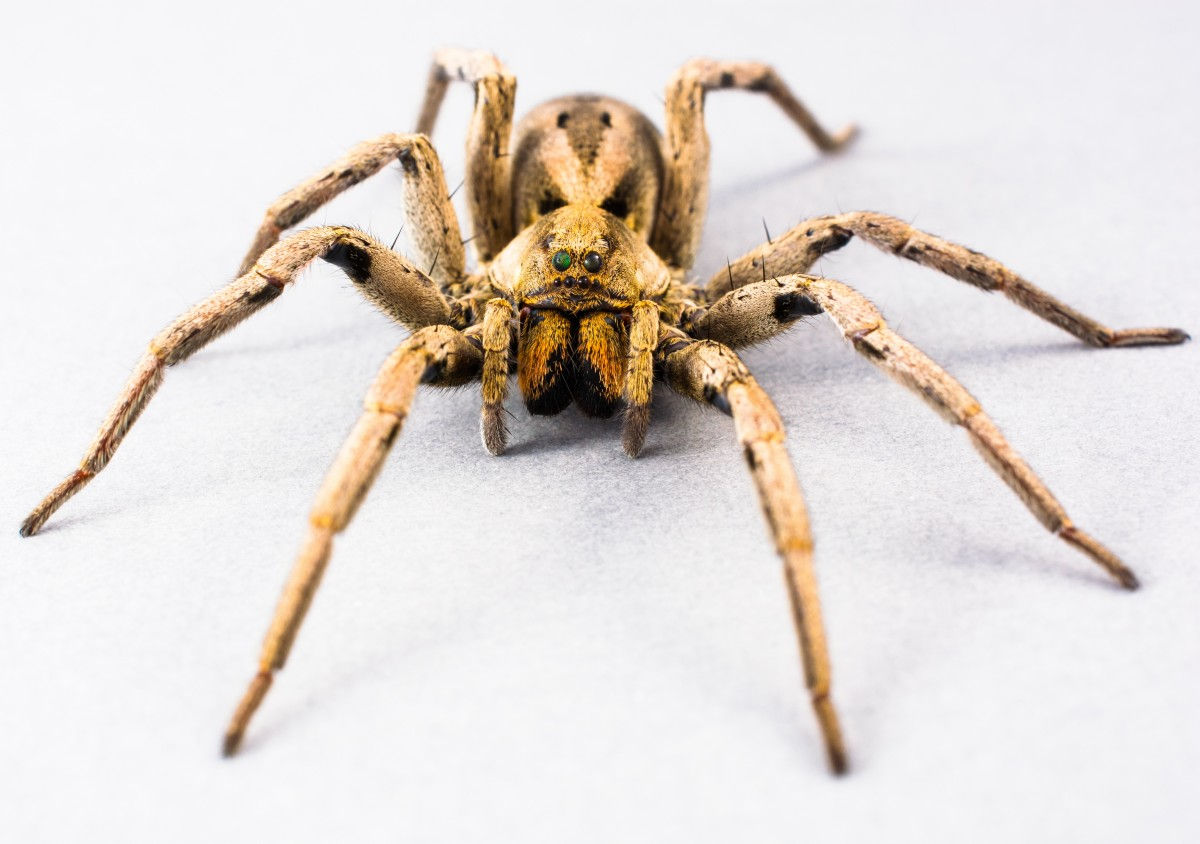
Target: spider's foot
{"x": 241, "y": 717}
{"x": 74, "y": 482}
{"x": 1148, "y": 337}
{"x": 229, "y": 746}
{"x": 843, "y": 137}
{"x": 831, "y": 731}
{"x": 1111, "y": 563}
{"x": 32, "y": 524}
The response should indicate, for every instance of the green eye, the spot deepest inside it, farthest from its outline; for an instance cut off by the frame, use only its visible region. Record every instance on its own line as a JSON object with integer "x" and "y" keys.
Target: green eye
{"x": 592, "y": 262}
{"x": 561, "y": 260}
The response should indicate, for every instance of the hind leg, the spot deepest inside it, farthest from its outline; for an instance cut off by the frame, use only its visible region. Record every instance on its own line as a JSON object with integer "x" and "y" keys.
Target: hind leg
{"x": 489, "y": 194}
{"x": 680, "y": 216}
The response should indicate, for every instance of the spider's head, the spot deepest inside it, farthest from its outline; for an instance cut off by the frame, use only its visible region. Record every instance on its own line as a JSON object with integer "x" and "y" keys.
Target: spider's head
{"x": 579, "y": 281}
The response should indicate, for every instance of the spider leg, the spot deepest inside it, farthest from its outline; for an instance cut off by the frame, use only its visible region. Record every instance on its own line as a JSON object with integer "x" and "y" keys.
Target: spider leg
{"x": 753, "y": 313}
{"x": 861, "y": 323}
{"x": 489, "y": 190}
{"x": 388, "y": 280}
{"x": 434, "y": 239}
{"x": 680, "y": 218}
{"x": 798, "y": 249}
{"x": 711, "y": 372}
{"x": 438, "y": 354}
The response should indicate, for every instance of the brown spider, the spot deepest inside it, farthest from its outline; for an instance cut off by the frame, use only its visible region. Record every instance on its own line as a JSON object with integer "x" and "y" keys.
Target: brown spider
{"x": 585, "y": 230}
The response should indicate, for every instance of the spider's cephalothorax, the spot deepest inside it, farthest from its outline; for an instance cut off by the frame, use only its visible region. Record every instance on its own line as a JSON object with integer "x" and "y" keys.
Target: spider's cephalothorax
{"x": 583, "y": 238}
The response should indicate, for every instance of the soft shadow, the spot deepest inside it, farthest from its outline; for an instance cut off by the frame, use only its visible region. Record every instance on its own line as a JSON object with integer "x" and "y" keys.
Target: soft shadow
{"x": 771, "y": 179}
{"x": 341, "y": 335}
{"x": 1001, "y": 354}
{"x": 387, "y": 658}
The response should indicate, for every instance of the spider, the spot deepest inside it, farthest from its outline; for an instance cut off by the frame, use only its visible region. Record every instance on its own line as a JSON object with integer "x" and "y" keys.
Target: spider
{"x": 586, "y": 226}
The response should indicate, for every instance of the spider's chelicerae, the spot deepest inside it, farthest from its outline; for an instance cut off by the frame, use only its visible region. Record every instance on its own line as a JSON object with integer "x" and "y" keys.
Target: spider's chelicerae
{"x": 586, "y": 225}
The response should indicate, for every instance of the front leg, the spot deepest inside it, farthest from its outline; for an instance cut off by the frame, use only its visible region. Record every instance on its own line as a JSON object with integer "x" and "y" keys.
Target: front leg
{"x": 439, "y": 355}
{"x": 489, "y": 191}
{"x": 758, "y": 311}
{"x": 436, "y": 244}
{"x": 680, "y": 217}
{"x": 392, "y": 283}
{"x": 709, "y": 372}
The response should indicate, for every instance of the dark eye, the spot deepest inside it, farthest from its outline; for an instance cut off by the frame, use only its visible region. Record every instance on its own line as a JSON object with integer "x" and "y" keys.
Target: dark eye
{"x": 592, "y": 262}
{"x": 562, "y": 260}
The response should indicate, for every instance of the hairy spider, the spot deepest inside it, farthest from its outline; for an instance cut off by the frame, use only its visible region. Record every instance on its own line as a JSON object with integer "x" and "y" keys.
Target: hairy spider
{"x": 585, "y": 229}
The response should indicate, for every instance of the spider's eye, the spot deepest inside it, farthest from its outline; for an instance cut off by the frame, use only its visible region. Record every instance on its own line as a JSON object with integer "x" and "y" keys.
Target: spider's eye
{"x": 561, "y": 260}
{"x": 592, "y": 262}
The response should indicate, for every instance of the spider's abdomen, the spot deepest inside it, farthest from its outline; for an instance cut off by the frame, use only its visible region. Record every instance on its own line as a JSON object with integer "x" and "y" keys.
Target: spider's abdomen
{"x": 587, "y": 150}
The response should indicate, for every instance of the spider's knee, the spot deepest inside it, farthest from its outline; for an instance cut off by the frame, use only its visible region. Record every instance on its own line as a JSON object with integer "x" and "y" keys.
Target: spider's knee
{"x": 452, "y": 358}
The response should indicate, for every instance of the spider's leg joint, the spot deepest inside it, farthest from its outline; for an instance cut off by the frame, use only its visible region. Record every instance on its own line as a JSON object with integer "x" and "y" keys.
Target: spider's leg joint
{"x": 860, "y": 334}
{"x": 858, "y": 338}
{"x": 275, "y": 283}
{"x": 400, "y": 411}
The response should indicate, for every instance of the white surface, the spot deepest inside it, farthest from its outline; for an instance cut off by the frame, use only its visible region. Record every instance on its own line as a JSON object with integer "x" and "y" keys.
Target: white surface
{"x": 562, "y": 644}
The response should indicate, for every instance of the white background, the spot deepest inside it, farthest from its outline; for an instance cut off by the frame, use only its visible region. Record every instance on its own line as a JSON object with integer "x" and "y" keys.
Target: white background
{"x": 563, "y": 644}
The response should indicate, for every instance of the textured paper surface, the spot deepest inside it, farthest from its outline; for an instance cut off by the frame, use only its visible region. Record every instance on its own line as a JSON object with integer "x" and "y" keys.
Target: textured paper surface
{"x": 563, "y": 644}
